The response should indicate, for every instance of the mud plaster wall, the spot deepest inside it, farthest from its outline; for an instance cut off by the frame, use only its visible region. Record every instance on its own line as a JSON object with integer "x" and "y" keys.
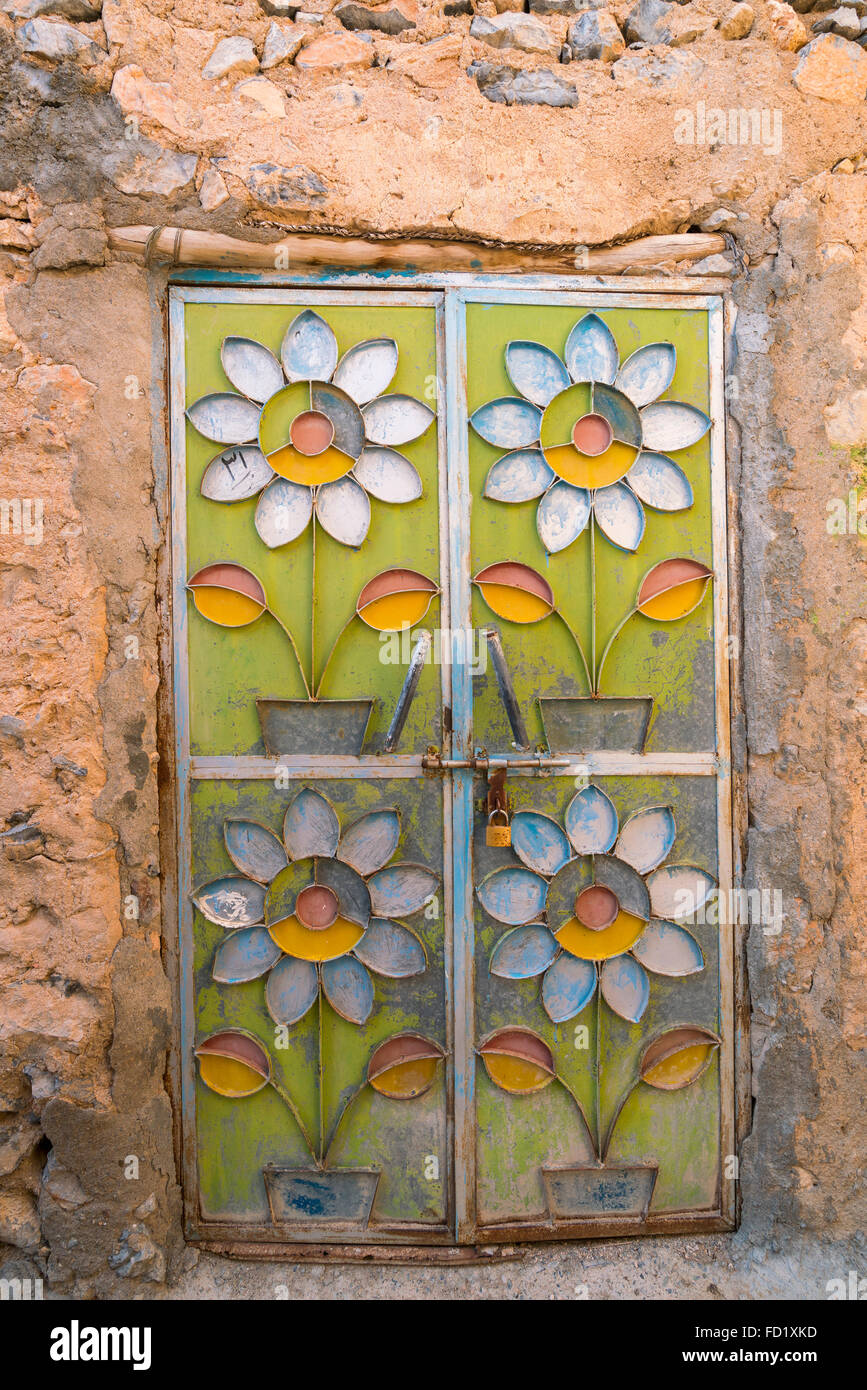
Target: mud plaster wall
{"x": 404, "y": 133}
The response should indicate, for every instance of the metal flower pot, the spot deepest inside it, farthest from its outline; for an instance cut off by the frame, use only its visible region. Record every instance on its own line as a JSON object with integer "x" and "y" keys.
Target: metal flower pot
{"x": 313, "y": 726}
{"x": 604, "y": 723}
{"x": 608, "y": 1191}
{"x": 309, "y": 1196}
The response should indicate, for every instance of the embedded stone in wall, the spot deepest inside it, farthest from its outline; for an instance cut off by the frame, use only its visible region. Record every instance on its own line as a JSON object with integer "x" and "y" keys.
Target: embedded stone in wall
{"x": 213, "y": 192}
{"x": 150, "y": 169}
{"x": 57, "y": 42}
{"x": 516, "y": 31}
{"x": 80, "y": 11}
{"x": 595, "y": 35}
{"x": 388, "y": 19}
{"x": 647, "y": 22}
{"x": 137, "y": 94}
{"x": 569, "y": 7}
{"x": 519, "y": 87}
{"x": 231, "y": 58}
{"x": 663, "y": 71}
{"x": 276, "y": 187}
{"x": 332, "y": 51}
{"x": 844, "y": 21}
{"x": 832, "y": 68}
{"x": 738, "y": 22}
{"x": 268, "y": 97}
{"x": 430, "y": 64}
{"x": 784, "y": 27}
{"x": 282, "y": 42}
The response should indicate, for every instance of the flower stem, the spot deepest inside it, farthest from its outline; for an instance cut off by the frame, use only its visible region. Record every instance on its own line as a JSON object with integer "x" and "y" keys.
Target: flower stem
{"x": 291, "y": 1106}
{"x": 616, "y": 633}
{"x": 575, "y": 639}
{"x": 321, "y": 1158}
{"x": 581, "y": 1111}
{"x": 330, "y": 655}
{"x": 615, "y": 1117}
{"x": 294, "y": 648}
{"x": 313, "y": 606}
{"x": 594, "y": 689}
{"x": 342, "y": 1116}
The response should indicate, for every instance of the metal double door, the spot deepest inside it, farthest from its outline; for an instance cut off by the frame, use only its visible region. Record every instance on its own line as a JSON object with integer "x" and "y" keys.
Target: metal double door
{"x": 449, "y": 573}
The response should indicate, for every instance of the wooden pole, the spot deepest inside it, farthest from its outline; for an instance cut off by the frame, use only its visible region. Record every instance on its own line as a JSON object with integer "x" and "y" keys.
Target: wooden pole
{"x": 189, "y": 247}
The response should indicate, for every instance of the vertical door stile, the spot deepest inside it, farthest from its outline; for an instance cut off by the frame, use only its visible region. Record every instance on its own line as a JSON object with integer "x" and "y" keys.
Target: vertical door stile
{"x": 462, "y": 779}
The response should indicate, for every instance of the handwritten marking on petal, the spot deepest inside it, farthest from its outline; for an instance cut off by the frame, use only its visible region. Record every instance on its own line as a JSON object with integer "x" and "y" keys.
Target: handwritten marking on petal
{"x": 366, "y": 370}
{"x": 562, "y": 515}
{"x": 387, "y": 475}
{"x": 309, "y": 349}
{"x": 620, "y": 516}
{"x": 283, "y": 512}
{"x": 343, "y": 508}
{"x": 647, "y": 373}
{"x": 225, "y": 418}
{"x": 535, "y": 371}
{"x": 591, "y": 353}
{"x": 251, "y": 368}
{"x": 236, "y": 474}
{"x": 397, "y": 419}
{"x": 509, "y": 422}
{"x": 660, "y": 483}
{"x": 671, "y": 425}
{"x": 310, "y": 826}
{"x": 231, "y": 902}
{"x": 518, "y": 476}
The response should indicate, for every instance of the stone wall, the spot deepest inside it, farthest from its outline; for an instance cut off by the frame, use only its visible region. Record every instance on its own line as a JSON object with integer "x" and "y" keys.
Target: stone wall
{"x": 561, "y": 126}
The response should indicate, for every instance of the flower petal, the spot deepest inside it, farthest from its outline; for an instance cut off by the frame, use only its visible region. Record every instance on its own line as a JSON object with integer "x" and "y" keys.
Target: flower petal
{"x": 535, "y": 371}
{"x": 245, "y": 955}
{"x": 310, "y": 826}
{"x": 660, "y": 483}
{"x": 343, "y": 509}
{"x": 671, "y": 425}
{"x": 283, "y": 512}
{"x": 396, "y": 419}
{"x": 667, "y": 949}
{"x": 591, "y": 821}
{"x": 366, "y": 370}
{"x": 236, "y": 474}
{"x": 562, "y": 515}
{"x": 591, "y": 352}
{"x": 253, "y": 849}
{"x": 387, "y": 475}
{"x": 620, "y": 515}
{"x": 568, "y": 987}
{"x": 401, "y": 889}
{"x": 231, "y": 902}
{"x": 391, "y": 949}
{"x": 344, "y": 415}
{"x": 370, "y": 842}
{"x": 508, "y": 422}
{"x": 539, "y": 842}
{"x": 679, "y": 890}
{"x": 518, "y": 476}
{"x": 625, "y": 987}
{"x": 309, "y": 349}
{"x": 647, "y": 373}
{"x": 292, "y": 987}
{"x": 646, "y": 838}
{"x": 348, "y": 988}
{"x": 251, "y": 368}
{"x": 225, "y": 418}
{"x": 523, "y": 952}
{"x": 511, "y": 895}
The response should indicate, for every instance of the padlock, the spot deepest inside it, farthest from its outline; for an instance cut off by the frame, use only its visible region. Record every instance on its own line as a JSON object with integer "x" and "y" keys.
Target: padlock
{"x": 498, "y": 836}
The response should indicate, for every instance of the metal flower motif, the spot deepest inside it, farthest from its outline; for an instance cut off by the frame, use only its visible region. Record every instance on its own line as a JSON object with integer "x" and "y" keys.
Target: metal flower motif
{"x": 588, "y": 434}
{"x": 609, "y": 902}
{"x": 310, "y": 432}
{"x": 317, "y": 909}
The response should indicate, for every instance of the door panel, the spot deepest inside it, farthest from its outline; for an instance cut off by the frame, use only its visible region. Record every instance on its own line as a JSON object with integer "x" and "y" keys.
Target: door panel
{"x": 393, "y": 1031}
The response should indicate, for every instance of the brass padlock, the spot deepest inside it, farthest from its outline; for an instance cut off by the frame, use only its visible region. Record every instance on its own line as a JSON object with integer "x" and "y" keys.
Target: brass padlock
{"x": 498, "y": 836}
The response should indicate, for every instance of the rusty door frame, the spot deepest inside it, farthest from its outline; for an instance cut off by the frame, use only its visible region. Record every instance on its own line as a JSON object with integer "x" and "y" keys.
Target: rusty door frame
{"x": 450, "y": 294}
